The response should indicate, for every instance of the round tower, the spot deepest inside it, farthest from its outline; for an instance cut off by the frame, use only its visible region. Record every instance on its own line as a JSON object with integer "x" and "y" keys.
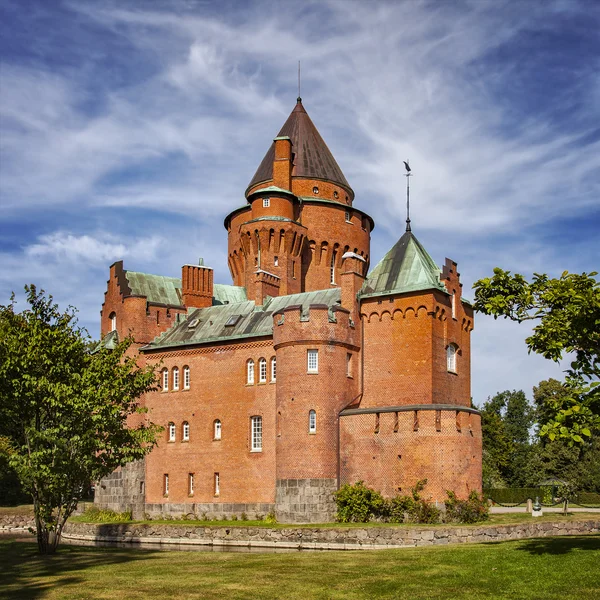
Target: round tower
{"x": 317, "y": 350}
{"x": 299, "y": 220}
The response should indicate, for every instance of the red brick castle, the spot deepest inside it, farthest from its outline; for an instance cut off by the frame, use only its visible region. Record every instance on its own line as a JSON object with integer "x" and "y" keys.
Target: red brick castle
{"x": 308, "y": 372}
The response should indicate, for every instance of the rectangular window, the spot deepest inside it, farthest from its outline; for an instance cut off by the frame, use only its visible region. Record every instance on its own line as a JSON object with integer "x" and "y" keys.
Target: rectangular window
{"x": 453, "y": 304}
{"x": 312, "y": 422}
{"x": 262, "y": 375}
{"x": 217, "y": 484}
{"x": 191, "y": 484}
{"x": 186, "y": 431}
{"x": 294, "y": 269}
{"x": 349, "y": 365}
{"x": 266, "y": 202}
{"x": 250, "y": 378}
{"x": 186, "y": 378}
{"x": 348, "y": 219}
{"x": 276, "y": 261}
{"x": 273, "y": 369}
{"x": 256, "y": 426}
{"x": 171, "y": 432}
{"x": 166, "y": 484}
{"x": 175, "y": 378}
{"x": 165, "y": 380}
{"x": 313, "y": 361}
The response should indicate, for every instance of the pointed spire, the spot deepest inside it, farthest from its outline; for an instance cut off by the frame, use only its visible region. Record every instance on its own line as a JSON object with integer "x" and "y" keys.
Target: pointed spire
{"x": 312, "y": 157}
{"x": 408, "y": 174}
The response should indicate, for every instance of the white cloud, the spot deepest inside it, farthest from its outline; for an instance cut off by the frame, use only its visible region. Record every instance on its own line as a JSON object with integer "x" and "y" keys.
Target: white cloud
{"x": 90, "y": 250}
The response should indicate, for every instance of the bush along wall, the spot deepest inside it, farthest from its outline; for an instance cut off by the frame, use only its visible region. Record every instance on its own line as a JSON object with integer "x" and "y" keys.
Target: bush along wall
{"x": 360, "y": 504}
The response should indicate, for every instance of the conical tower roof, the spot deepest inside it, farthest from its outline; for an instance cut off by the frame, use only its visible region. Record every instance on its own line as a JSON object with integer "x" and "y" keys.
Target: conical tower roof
{"x": 312, "y": 157}
{"x": 407, "y": 267}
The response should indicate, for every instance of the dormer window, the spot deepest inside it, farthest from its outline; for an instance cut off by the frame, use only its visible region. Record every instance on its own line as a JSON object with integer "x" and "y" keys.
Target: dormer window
{"x": 266, "y": 202}
{"x": 315, "y": 190}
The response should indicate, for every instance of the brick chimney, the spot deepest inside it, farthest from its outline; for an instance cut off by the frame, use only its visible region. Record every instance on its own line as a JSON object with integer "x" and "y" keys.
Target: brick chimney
{"x": 266, "y": 284}
{"x": 282, "y": 164}
{"x": 196, "y": 286}
{"x": 353, "y": 267}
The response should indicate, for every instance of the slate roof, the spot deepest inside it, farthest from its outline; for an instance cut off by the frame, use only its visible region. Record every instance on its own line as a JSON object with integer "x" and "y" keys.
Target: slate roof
{"x": 407, "y": 267}
{"x": 206, "y": 325}
{"x": 167, "y": 290}
{"x": 312, "y": 157}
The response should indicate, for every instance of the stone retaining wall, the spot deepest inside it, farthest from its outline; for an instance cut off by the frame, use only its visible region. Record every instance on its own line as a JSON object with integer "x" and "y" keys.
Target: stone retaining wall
{"x": 16, "y": 522}
{"x": 326, "y": 538}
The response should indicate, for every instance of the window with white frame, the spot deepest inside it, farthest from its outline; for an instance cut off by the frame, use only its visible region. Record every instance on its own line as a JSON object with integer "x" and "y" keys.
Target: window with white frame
{"x": 217, "y": 429}
{"x": 273, "y": 369}
{"x": 348, "y": 364}
{"x": 348, "y": 217}
{"x": 312, "y": 359}
{"x": 262, "y": 370}
{"x": 451, "y": 358}
{"x": 185, "y": 430}
{"x": 454, "y": 304}
{"x": 266, "y": 202}
{"x": 332, "y": 266}
{"x": 312, "y": 421}
{"x": 186, "y": 378}
{"x": 250, "y": 372}
{"x": 171, "y": 432}
{"x": 113, "y": 321}
{"x": 191, "y": 484}
{"x": 175, "y": 378}
{"x": 256, "y": 433}
{"x": 217, "y": 484}
{"x": 166, "y": 484}
{"x": 165, "y": 380}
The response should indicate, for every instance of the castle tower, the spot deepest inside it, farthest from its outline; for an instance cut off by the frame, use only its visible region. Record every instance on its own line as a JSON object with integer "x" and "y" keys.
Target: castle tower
{"x": 299, "y": 221}
{"x": 415, "y": 411}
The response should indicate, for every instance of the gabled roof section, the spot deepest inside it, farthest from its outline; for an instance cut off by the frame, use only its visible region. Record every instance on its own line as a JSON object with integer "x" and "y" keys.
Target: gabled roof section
{"x": 157, "y": 288}
{"x": 216, "y": 324}
{"x": 407, "y": 267}
{"x": 312, "y": 157}
{"x": 109, "y": 341}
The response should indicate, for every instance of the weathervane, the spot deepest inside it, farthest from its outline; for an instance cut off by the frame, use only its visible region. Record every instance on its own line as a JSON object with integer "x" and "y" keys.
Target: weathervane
{"x": 408, "y": 174}
{"x": 299, "y": 97}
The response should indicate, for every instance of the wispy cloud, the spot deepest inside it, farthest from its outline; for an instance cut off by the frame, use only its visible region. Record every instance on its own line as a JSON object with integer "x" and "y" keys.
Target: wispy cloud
{"x": 130, "y": 129}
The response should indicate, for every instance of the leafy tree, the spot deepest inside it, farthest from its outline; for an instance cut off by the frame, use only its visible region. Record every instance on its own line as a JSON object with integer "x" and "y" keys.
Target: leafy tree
{"x": 567, "y": 310}
{"x": 546, "y": 395}
{"x": 505, "y": 420}
{"x": 65, "y": 410}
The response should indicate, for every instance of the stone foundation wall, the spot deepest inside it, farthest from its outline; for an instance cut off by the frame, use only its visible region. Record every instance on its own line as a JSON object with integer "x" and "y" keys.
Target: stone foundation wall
{"x": 210, "y": 510}
{"x": 338, "y": 538}
{"x": 305, "y": 500}
{"x": 124, "y": 489}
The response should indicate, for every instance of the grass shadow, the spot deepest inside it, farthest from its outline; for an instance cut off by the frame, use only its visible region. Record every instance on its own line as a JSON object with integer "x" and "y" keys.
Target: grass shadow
{"x": 25, "y": 574}
{"x": 560, "y": 545}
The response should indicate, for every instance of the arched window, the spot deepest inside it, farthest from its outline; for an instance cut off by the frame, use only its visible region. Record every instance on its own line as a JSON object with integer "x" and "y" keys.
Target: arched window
{"x": 186, "y": 378}
{"x": 185, "y": 430}
{"x": 171, "y": 432}
{"x": 113, "y": 321}
{"x": 250, "y": 372}
{"x": 312, "y": 421}
{"x": 451, "y": 358}
{"x": 217, "y": 429}
{"x": 262, "y": 370}
{"x": 165, "y": 380}
{"x": 273, "y": 369}
{"x": 175, "y": 378}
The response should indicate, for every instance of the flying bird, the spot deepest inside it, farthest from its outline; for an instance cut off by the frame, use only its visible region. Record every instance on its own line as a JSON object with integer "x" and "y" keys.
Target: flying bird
{"x": 407, "y": 167}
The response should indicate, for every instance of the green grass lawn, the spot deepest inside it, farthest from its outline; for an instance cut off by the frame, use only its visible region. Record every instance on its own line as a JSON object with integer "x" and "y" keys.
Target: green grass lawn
{"x": 549, "y": 568}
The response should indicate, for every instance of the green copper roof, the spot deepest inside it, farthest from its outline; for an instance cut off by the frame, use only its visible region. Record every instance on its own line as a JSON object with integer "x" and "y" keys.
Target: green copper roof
{"x": 228, "y": 294}
{"x": 109, "y": 341}
{"x": 407, "y": 267}
{"x": 204, "y": 325}
{"x": 156, "y": 288}
{"x": 272, "y": 189}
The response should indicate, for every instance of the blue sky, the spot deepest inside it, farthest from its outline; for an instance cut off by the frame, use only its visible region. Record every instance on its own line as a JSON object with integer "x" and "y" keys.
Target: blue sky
{"x": 128, "y": 130}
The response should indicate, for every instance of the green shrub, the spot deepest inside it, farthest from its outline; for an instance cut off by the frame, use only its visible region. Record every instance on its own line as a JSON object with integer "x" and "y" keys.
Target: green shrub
{"x": 472, "y": 510}
{"x": 512, "y": 495}
{"x": 244, "y": 516}
{"x": 270, "y": 518}
{"x": 358, "y": 503}
{"x": 234, "y": 517}
{"x": 104, "y": 515}
{"x": 587, "y": 498}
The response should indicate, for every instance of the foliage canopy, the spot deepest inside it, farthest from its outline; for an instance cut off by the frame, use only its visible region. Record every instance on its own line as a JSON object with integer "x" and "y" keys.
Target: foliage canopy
{"x": 567, "y": 311}
{"x": 65, "y": 411}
